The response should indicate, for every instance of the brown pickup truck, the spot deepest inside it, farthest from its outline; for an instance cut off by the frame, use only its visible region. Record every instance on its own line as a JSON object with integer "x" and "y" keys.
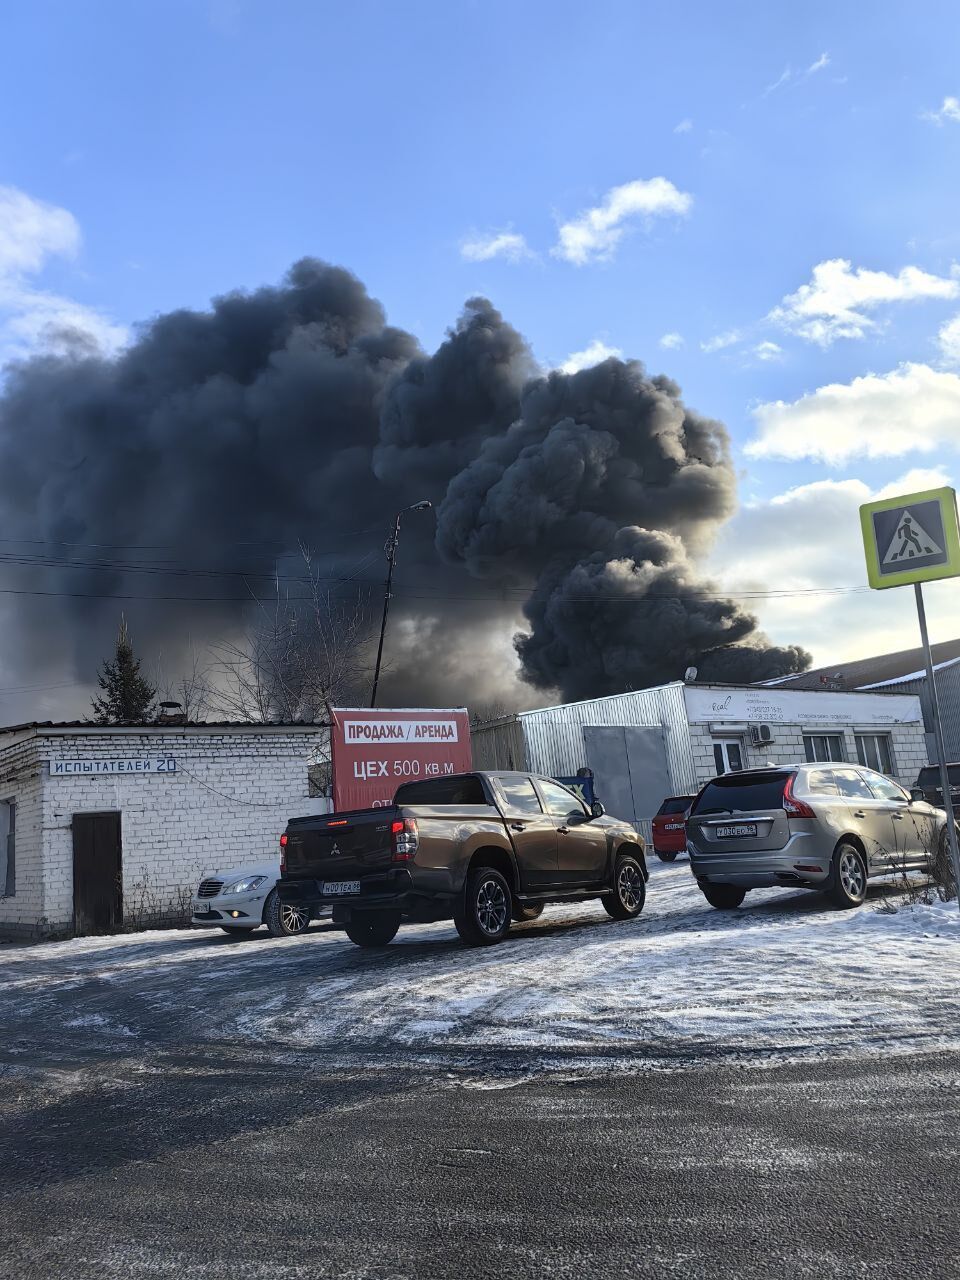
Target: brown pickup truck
{"x": 482, "y": 848}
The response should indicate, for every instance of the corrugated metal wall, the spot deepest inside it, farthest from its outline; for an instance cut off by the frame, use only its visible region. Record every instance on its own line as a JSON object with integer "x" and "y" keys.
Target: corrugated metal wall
{"x": 499, "y": 745}
{"x": 948, "y": 692}
{"x": 554, "y": 736}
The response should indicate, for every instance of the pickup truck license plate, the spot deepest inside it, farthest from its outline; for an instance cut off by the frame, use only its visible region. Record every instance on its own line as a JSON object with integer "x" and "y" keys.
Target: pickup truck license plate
{"x": 673, "y": 826}
{"x": 336, "y": 888}
{"x": 739, "y": 829}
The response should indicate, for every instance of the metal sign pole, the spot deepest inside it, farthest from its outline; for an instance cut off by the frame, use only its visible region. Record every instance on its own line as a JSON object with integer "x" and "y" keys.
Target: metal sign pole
{"x": 938, "y": 735}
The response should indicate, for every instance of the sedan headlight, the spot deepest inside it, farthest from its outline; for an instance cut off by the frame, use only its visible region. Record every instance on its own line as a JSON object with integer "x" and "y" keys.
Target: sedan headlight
{"x": 245, "y": 886}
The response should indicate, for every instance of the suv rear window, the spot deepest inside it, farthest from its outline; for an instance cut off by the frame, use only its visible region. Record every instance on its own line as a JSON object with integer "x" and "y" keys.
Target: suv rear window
{"x": 930, "y": 776}
{"x": 742, "y": 793}
{"x": 675, "y": 804}
{"x": 460, "y": 789}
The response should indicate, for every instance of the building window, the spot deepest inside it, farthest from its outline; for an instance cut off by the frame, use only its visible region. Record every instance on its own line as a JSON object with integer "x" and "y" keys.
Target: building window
{"x": 823, "y": 746}
{"x": 873, "y": 751}
{"x": 728, "y": 756}
{"x": 8, "y": 848}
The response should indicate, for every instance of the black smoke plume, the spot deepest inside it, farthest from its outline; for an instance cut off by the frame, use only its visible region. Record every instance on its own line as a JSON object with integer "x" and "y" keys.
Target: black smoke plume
{"x": 569, "y": 509}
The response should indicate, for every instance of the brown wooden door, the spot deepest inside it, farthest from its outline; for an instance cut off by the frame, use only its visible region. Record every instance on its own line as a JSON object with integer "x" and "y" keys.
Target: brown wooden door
{"x": 97, "y": 875}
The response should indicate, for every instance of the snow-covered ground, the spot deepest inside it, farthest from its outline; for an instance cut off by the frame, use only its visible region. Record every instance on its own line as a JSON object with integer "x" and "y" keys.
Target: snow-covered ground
{"x": 786, "y": 976}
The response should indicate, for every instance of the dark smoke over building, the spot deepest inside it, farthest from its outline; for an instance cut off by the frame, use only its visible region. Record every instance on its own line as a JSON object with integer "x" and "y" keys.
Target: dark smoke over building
{"x": 569, "y": 508}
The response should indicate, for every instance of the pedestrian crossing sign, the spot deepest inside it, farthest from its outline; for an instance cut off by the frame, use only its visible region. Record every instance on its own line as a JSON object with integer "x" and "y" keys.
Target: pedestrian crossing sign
{"x": 911, "y": 538}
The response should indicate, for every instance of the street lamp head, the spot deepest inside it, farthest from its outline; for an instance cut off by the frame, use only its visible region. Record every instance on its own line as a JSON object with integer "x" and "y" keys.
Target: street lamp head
{"x": 421, "y": 506}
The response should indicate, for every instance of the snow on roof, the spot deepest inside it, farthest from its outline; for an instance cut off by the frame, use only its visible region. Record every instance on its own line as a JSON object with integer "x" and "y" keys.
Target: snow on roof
{"x": 911, "y": 675}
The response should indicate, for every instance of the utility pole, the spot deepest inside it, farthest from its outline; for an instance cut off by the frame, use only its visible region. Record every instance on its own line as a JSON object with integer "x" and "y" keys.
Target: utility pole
{"x": 391, "y": 550}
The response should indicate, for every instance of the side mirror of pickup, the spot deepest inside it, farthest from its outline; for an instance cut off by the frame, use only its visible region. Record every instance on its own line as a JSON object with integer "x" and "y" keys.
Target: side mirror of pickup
{"x": 597, "y": 810}
{"x": 916, "y": 793}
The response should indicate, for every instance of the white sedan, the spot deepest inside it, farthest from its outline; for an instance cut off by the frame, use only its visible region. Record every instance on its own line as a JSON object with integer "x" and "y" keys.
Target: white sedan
{"x": 240, "y": 900}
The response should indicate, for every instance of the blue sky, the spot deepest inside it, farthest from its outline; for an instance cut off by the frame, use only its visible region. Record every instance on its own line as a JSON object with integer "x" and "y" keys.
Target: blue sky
{"x": 200, "y": 147}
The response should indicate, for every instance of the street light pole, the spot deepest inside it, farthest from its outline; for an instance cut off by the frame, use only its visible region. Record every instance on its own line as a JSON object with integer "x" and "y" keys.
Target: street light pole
{"x": 391, "y": 550}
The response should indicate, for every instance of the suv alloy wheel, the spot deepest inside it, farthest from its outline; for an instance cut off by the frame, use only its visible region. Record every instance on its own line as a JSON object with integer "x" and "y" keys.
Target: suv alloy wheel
{"x": 849, "y": 887}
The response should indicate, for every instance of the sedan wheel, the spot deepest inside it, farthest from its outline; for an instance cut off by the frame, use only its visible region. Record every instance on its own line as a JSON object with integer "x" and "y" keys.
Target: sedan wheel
{"x": 284, "y": 919}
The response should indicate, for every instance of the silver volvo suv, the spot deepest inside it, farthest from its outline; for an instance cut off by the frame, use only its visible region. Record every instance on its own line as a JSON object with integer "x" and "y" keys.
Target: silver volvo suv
{"x": 816, "y": 826}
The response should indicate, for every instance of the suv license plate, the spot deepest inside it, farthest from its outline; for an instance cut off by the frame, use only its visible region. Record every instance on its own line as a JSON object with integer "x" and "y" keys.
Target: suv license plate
{"x": 336, "y": 888}
{"x": 741, "y": 829}
{"x": 673, "y": 826}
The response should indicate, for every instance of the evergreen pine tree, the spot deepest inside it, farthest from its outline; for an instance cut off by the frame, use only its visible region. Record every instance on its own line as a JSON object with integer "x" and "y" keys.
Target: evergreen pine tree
{"x": 127, "y": 696}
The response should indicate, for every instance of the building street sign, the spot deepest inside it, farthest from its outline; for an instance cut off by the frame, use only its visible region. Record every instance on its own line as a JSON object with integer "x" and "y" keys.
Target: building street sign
{"x": 911, "y": 538}
{"x": 128, "y": 766}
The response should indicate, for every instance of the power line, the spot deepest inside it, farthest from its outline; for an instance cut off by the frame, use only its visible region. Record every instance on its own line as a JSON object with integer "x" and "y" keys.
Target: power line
{"x": 173, "y": 546}
{"x": 440, "y": 595}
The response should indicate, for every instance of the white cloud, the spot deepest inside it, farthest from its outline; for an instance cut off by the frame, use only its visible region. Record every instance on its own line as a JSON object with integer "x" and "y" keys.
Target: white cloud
{"x": 784, "y": 77}
{"x": 594, "y": 235}
{"x": 911, "y": 409}
{"x": 495, "y": 244}
{"x": 672, "y": 341}
{"x": 950, "y": 110}
{"x": 767, "y": 351}
{"x": 31, "y": 233}
{"x": 949, "y": 339}
{"x": 683, "y": 127}
{"x": 591, "y": 355}
{"x": 832, "y": 305}
{"x": 821, "y": 62}
{"x": 720, "y": 341}
{"x": 808, "y": 539}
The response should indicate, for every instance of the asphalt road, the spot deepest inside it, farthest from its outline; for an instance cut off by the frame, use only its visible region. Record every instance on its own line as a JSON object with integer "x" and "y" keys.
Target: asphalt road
{"x": 183, "y": 1105}
{"x": 215, "y": 1163}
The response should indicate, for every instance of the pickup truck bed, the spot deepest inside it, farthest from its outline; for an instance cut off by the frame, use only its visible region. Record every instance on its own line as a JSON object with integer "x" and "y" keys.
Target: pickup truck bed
{"x": 419, "y": 859}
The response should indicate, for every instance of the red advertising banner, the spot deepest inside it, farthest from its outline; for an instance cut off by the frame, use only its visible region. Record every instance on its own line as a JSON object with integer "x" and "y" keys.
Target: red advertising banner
{"x": 375, "y": 751}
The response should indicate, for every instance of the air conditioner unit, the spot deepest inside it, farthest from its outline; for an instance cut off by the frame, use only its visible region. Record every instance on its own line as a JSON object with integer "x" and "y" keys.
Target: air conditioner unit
{"x": 761, "y": 735}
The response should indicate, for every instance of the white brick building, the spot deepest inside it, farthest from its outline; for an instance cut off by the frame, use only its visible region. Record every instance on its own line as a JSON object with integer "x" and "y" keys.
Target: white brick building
{"x": 646, "y": 745}
{"x": 141, "y": 812}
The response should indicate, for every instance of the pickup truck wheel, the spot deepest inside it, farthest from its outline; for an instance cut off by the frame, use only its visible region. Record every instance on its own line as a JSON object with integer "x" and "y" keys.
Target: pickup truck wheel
{"x": 373, "y": 928}
{"x": 520, "y": 914}
{"x": 665, "y": 857}
{"x": 283, "y": 919}
{"x": 482, "y": 915}
{"x": 629, "y": 889}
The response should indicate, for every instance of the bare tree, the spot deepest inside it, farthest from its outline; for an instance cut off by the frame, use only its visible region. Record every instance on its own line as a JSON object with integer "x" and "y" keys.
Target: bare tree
{"x": 303, "y": 652}
{"x": 482, "y": 713}
{"x": 193, "y": 688}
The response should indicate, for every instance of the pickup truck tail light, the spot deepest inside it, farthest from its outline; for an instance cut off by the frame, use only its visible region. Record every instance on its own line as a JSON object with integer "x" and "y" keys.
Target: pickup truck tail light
{"x": 283, "y": 853}
{"x": 404, "y": 839}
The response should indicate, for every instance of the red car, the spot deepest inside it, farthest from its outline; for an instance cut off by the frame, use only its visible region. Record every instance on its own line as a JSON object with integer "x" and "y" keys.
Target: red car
{"x": 670, "y": 828}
